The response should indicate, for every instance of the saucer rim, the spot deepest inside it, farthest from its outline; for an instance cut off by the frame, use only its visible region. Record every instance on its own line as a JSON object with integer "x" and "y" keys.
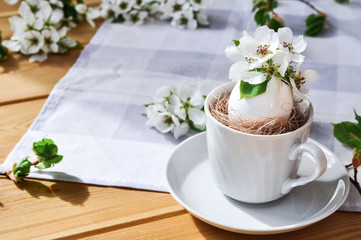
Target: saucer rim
{"x": 273, "y": 230}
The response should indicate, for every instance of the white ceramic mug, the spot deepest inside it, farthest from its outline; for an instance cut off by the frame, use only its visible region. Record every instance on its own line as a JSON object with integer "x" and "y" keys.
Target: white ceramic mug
{"x": 258, "y": 168}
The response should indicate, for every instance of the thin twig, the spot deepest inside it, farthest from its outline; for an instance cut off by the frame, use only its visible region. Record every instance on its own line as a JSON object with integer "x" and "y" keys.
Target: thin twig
{"x": 310, "y": 5}
{"x": 270, "y": 5}
{"x": 356, "y": 184}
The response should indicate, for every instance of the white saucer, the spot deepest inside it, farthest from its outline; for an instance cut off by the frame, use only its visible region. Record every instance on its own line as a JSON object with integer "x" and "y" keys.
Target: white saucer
{"x": 191, "y": 184}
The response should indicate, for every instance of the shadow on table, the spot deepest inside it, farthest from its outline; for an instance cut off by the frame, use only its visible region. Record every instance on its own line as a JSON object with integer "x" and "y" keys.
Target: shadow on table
{"x": 74, "y": 193}
{"x": 210, "y": 232}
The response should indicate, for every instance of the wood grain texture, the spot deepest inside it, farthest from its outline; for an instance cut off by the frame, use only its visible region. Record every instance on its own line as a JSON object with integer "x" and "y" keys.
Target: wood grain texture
{"x": 40, "y": 209}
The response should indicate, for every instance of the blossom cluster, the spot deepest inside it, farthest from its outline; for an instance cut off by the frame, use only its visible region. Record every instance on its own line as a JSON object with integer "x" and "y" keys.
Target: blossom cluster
{"x": 177, "y": 110}
{"x": 42, "y": 26}
{"x": 181, "y": 13}
{"x": 270, "y": 55}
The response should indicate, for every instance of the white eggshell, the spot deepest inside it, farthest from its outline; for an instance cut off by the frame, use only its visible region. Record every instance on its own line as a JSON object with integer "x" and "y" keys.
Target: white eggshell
{"x": 276, "y": 102}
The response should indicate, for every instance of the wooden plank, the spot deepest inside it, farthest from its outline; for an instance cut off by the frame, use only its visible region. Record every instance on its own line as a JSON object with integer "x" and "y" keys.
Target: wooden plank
{"x": 45, "y": 209}
{"x": 15, "y": 121}
{"x": 341, "y": 225}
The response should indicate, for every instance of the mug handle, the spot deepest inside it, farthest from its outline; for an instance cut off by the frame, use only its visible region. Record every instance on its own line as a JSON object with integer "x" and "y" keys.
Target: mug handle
{"x": 320, "y": 160}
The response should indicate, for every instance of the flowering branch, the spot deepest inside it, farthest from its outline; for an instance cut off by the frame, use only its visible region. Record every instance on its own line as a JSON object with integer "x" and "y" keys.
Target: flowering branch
{"x": 349, "y": 133}
{"x": 181, "y": 13}
{"x": 42, "y": 26}
{"x": 177, "y": 110}
{"x": 265, "y": 15}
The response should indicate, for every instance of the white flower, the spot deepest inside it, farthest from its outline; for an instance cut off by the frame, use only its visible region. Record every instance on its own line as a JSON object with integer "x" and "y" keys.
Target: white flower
{"x": 163, "y": 94}
{"x": 91, "y": 14}
{"x": 51, "y": 38}
{"x": 47, "y": 14}
{"x": 291, "y": 45}
{"x": 165, "y": 121}
{"x": 202, "y": 18}
{"x": 81, "y": 8}
{"x": 199, "y": 4}
{"x": 135, "y": 17}
{"x": 124, "y": 6}
{"x": 28, "y": 20}
{"x": 184, "y": 20}
{"x": 138, "y": 4}
{"x": 254, "y": 50}
{"x": 175, "y": 7}
{"x": 187, "y": 104}
{"x": 298, "y": 84}
{"x": 32, "y": 42}
{"x": 152, "y": 112}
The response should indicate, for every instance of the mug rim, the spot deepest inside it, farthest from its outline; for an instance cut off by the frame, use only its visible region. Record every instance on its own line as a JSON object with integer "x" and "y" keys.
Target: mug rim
{"x": 208, "y": 114}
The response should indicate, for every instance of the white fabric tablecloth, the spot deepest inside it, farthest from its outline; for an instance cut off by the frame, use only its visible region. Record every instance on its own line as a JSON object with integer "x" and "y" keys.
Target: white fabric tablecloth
{"x": 94, "y": 113}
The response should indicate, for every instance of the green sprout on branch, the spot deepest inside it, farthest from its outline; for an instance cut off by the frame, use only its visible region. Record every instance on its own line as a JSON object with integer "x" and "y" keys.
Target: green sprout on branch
{"x": 3, "y": 50}
{"x": 265, "y": 15}
{"x": 47, "y": 156}
{"x": 349, "y": 133}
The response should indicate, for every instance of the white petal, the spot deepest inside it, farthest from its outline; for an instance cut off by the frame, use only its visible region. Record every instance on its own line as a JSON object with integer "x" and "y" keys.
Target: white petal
{"x": 38, "y": 57}
{"x": 12, "y": 45}
{"x": 282, "y": 59}
{"x": 56, "y": 16}
{"x": 181, "y": 130}
{"x": 299, "y": 44}
{"x": 80, "y": 8}
{"x": 285, "y": 35}
{"x": 248, "y": 47}
{"x": 310, "y": 75}
{"x": 24, "y": 9}
{"x": 54, "y": 47}
{"x": 253, "y": 77}
{"x": 297, "y": 95}
{"x": 197, "y": 116}
{"x": 67, "y": 42}
{"x": 233, "y": 54}
{"x": 237, "y": 69}
{"x": 197, "y": 99}
{"x": 261, "y": 34}
{"x": 185, "y": 90}
{"x": 161, "y": 126}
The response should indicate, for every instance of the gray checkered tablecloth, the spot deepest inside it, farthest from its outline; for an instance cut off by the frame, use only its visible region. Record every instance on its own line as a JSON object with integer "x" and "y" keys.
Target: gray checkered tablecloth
{"x": 94, "y": 113}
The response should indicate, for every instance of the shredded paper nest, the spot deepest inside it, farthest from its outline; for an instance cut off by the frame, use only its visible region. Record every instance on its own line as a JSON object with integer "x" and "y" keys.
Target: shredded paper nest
{"x": 272, "y": 126}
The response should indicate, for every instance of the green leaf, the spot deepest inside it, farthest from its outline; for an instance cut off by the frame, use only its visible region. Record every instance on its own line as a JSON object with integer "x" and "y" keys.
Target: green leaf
{"x": 345, "y": 130}
{"x": 249, "y": 90}
{"x": 342, "y": 1}
{"x": 70, "y": 12}
{"x": 259, "y": 4}
{"x": 236, "y": 42}
{"x": 48, "y": 163}
{"x": 262, "y": 16}
{"x": 45, "y": 148}
{"x": 3, "y": 52}
{"x": 315, "y": 24}
{"x": 275, "y": 24}
{"x": 22, "y": 170}
{"x": 358, "y": 118}
{"x": 274, "y": 4}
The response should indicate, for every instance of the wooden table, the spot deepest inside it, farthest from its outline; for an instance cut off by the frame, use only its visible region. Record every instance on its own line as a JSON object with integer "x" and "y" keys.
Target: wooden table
{"x": 49, "y": 210}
